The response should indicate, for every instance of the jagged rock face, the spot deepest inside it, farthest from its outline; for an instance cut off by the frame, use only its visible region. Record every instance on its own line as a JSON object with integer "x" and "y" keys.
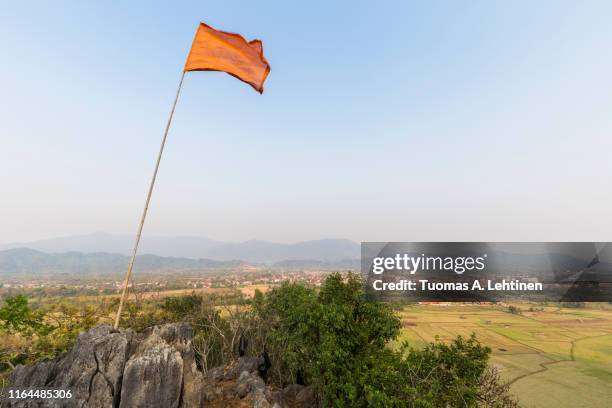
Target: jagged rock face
{"x": 153, "y": 376}
{"x": 155, "y": 368}
{"x": 93, "y": 369}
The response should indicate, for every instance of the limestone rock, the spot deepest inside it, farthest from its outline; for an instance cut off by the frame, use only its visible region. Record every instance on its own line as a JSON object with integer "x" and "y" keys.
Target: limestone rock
{"x": 92, "y": 370}
{"x": 155, "y": 368}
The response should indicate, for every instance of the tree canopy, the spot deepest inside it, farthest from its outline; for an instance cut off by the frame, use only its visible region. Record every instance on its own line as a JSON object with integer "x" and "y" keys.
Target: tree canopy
{"x": 339, "y": 340}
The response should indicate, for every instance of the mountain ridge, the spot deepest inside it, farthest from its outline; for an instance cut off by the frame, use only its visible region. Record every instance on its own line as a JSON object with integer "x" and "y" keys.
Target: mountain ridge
{"x": 27, "y": 261}
{"x": 23, "y": 261}
{"x": 196, "y": 247}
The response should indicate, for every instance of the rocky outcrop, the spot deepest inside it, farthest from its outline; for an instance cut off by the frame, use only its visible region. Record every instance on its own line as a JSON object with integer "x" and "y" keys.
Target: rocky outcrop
{"x": 93, "y": 370}
{"x": 153, "y": 374}
{"x": 155, "y": 368}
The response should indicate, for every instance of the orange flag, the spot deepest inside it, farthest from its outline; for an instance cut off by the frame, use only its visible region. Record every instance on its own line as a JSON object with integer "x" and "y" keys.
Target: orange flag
{"x": 214, "y": 50}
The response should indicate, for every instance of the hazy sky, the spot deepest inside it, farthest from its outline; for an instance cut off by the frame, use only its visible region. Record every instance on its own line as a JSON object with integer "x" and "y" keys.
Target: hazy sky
{"x": 408, "y": 121}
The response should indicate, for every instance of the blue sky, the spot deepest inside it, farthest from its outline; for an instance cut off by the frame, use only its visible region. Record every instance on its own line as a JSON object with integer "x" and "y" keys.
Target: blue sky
{"x": 409, "y": 121}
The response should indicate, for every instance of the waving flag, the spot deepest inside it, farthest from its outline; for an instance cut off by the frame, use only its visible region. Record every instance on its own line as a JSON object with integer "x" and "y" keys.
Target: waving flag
{"x": 214, "y": 50}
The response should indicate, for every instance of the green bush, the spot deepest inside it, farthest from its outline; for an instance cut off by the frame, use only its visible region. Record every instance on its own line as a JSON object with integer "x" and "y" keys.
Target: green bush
{"x": 339, "y": 340}
{"x": 16, "y": 316}
{"x": 182, "y": 306}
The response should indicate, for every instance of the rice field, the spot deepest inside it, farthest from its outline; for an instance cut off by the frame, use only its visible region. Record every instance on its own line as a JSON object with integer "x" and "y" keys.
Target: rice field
{"x": 553, "y": 356}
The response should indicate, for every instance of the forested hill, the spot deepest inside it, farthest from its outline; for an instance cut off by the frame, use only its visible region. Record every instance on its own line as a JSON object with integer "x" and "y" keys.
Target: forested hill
{"x": 29, "y": 261}
{"x": 25, "y": 261}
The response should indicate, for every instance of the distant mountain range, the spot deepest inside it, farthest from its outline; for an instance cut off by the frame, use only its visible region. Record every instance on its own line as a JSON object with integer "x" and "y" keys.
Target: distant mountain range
{"x": 25, "y": 261}
{"x": 324, "y": 250}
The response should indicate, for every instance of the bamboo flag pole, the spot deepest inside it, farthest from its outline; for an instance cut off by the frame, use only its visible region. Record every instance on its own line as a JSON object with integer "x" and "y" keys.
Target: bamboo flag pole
{"x": 211, "y": 50}
{"x": 146, "y": 207}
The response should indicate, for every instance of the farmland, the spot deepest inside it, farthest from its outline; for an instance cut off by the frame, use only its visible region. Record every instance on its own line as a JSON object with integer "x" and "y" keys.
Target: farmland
{"x": 553, "y": 356}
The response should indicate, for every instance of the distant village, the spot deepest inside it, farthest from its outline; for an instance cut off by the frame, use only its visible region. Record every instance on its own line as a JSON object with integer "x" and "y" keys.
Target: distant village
{"x": 246, "y": 279}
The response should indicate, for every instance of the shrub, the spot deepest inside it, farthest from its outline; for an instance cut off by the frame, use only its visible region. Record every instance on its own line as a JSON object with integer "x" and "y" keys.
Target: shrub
{"x": 182, "y": 306}
{"x": 515, "y": 310}
{"x": 339, "y": 341}
{"x": 17, "y": 317}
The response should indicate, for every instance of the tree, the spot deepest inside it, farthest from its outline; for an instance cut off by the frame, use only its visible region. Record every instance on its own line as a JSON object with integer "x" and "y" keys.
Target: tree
{"x": 339, "y": 341}
{"x": 336, "y": 338}
{"x": 181, "y": 306}
{"x": 17, "y": 317}
{"x": 447, "y": 374}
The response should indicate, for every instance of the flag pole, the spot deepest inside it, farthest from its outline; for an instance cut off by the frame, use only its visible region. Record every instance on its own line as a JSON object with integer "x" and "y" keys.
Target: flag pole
{"x": 146, "y": 207}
